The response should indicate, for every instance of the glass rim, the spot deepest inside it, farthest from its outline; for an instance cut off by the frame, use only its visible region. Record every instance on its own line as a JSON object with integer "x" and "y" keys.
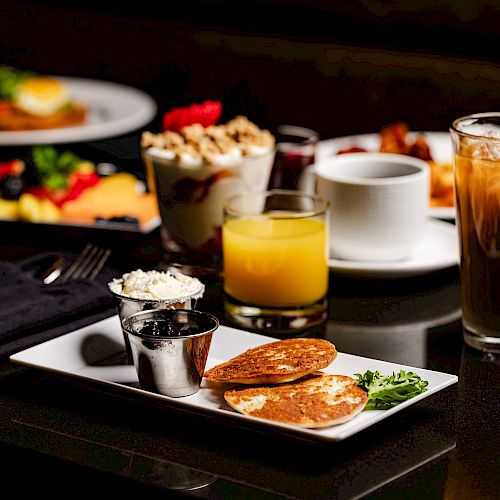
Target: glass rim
{"x": 489, "y": 114}
{"x": 308, "y": 135}
{"x": 172, "y": 300}
{"x": 285, "y": 214}
{"x": 189, "y": 312}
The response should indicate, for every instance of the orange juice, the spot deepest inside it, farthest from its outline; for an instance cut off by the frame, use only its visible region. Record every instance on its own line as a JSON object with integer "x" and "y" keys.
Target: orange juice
{"x": 279, "y": 262}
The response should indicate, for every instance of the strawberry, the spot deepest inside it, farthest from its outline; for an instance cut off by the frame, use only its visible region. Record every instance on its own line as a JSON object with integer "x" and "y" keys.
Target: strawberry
{"x": 15, "y": 167}
{"x": 205, "y": 114}
{"x": 78, "y": 182}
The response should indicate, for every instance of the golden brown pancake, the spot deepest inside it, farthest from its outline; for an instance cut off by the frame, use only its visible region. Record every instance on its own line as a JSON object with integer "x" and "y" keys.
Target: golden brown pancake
{"x": 317, "y": 400}
{"x": 275, "y": 362}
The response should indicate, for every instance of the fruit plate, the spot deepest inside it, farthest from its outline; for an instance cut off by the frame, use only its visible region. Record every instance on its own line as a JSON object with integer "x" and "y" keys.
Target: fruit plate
{"x": 129, "y": 227}
{"x": 96, "y": 354}
{"x": 118, "y": 202}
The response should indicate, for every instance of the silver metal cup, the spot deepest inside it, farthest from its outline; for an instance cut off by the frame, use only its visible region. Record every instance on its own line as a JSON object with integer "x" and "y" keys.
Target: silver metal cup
{"x": 126, "y": 306}
{"x": 172, "y": 365}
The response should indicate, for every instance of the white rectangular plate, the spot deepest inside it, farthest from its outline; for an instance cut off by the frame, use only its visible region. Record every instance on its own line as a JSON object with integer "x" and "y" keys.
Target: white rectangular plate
{"x": 83, "y": 353}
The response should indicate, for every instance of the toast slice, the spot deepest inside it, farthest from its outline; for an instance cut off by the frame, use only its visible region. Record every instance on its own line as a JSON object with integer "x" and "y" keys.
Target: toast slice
{"x": 15, "y": 119}
{"x": 315, "y": 401}
{"x": 275, "y": 362}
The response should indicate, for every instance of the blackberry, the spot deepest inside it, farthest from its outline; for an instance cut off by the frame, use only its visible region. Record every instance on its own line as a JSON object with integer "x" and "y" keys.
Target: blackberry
{"x": 11, "y": 186}
{"x": 128, "y": 219}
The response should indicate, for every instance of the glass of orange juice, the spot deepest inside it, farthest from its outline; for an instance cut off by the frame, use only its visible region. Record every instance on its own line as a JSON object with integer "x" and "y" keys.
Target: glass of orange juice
{"x": 275, "y": 262}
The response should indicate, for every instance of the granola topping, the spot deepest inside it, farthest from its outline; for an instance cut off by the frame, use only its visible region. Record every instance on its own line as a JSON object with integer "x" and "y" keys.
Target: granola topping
{"x": 215, "y": 144}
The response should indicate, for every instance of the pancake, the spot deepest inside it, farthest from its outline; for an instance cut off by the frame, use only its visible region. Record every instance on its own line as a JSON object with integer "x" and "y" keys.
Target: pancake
{"x": 315, "y": 401}
{"x": 275, "y": 362}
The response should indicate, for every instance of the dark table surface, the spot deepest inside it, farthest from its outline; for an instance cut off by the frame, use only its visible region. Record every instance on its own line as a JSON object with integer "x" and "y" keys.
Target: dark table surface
{"x": 67, "y": 437}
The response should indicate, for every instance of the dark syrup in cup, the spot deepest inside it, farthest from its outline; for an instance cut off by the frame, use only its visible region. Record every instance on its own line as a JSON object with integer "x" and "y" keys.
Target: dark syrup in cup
{"x": 295, "y": 150}
{"x": 167, "y": 328}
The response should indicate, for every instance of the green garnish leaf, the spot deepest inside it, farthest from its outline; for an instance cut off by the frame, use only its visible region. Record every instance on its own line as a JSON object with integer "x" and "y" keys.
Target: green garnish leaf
{"x": 54, "y": 168}
{"x": 10, "y": 78}
{"x": 387, "y": 391}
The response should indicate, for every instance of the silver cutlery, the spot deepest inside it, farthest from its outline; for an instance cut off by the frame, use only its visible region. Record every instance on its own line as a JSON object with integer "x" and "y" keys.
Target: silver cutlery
{"x": 86, "y": 265}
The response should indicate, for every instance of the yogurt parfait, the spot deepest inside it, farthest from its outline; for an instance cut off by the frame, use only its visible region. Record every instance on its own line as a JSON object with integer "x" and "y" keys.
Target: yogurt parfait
{"x": 194, "y": 171}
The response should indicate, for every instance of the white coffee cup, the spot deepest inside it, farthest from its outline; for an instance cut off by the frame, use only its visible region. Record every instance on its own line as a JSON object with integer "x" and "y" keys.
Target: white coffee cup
{"x": 379, "y": 203}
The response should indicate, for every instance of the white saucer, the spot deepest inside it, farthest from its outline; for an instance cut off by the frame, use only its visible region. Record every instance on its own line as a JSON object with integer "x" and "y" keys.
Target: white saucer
{"x": 444, "y": 213}
{"x": 437, "y": 250}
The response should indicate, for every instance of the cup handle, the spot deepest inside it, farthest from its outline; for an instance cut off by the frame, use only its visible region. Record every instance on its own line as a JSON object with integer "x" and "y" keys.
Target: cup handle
{"x": 307, "y": 180}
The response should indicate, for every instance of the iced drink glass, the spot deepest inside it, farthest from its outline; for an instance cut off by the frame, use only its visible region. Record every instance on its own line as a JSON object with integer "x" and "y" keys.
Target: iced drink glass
{"x": 275, "y": 260}
{"x": 476, "y": 147}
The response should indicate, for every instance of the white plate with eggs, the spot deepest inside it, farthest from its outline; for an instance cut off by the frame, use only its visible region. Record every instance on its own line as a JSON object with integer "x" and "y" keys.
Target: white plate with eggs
{"x": 113, "y": 109}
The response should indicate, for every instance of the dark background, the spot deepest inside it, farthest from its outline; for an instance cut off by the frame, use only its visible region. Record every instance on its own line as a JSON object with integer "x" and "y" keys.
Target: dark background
{"x": 341, "y": 68}
{"x": 338, "y": 67}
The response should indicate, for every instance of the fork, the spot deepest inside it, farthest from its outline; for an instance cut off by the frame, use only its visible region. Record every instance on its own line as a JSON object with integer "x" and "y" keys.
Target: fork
{"x": 86, "y": 265}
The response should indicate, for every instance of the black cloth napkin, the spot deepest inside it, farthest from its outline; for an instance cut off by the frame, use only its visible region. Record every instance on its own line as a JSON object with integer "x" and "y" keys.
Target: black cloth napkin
{"x": 32, "y": 312}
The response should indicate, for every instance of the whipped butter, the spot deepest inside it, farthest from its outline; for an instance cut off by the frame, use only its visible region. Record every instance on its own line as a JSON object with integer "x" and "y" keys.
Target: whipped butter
{"x": 156, "y": 285}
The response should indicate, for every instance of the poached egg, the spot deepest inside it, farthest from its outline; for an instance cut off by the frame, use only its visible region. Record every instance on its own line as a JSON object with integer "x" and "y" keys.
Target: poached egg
{"x": 41, "y": 95}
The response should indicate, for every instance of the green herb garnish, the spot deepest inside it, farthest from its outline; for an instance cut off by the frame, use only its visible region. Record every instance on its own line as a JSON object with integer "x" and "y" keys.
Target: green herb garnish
{"x": 386, "y": 391}
{"x": 10, "y": 78}
{"x": 54, "y": 168}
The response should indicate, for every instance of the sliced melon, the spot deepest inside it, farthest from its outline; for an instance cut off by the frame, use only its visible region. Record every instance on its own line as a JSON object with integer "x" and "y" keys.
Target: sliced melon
{"x": 113, "y": 196}
{"x": 9, "y": 209}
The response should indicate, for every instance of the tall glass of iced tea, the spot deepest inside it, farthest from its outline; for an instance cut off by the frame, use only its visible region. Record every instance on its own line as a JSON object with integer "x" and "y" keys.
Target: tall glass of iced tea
{"x": 476, "y": 147}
